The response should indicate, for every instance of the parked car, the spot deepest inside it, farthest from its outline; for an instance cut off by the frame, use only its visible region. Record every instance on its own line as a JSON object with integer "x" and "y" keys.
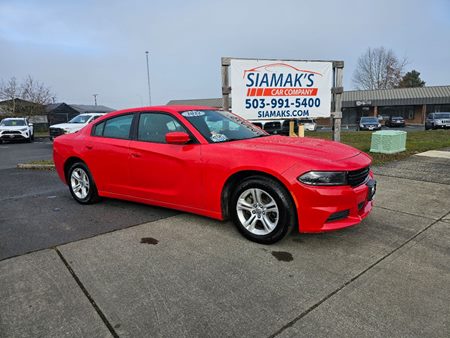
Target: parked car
{"x": 309, "y": 124}
{"x": 73, "y": 125}
{"x": 437, "y": 120}
{"x": 216, "y": 164}
{"x": 282, "y": 127}
{"x": 395, "y": 121}
{"x": 369, "y": 123}
{"x": 273, "y": 127}
{"x": 16, "y": 128}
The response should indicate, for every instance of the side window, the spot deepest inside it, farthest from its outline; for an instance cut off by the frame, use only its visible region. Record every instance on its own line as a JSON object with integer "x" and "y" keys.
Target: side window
{"x": 96, "y": 117}
{"x": 117, "y": 127}
{"x": 153, "y": 127}
{"x": 98, "y": 129}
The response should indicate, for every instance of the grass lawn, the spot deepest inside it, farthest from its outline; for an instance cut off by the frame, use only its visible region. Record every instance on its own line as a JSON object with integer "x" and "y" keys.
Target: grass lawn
{"x": 416, "y": 142}
{"x": 46, "y": 162}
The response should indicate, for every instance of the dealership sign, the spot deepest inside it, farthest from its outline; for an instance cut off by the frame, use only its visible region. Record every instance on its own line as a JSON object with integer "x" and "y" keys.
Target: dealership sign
{"x": 268, "y": 90}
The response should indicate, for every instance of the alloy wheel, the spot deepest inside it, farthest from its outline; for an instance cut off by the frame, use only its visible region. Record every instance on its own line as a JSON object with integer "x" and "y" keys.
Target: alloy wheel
{"x": 257, "y": 211}
{"x": 79, "y": 182}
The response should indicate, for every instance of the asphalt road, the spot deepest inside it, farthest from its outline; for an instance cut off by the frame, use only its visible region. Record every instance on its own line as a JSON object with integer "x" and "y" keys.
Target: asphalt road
{"x": 12, "y": 153}
{"x": 38, "y": 212}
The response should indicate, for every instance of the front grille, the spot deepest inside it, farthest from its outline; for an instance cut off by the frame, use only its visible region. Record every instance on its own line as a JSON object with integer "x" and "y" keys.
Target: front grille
{"x": 56, "y": 132}
{"x": 9, "y": 132}
{"x": 358, "y": 177}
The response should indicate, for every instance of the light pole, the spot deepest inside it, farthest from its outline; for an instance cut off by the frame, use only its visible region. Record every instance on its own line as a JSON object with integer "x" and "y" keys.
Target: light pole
{"x": 95, "y": 98}
{"x": 148, "y": 81}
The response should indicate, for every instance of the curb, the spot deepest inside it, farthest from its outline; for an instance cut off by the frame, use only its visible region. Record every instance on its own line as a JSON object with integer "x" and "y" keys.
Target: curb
{"x": 36, "y": 166}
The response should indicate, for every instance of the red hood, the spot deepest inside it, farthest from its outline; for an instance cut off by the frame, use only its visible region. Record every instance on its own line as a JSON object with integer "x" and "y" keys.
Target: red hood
{"x": 307, "y": 148}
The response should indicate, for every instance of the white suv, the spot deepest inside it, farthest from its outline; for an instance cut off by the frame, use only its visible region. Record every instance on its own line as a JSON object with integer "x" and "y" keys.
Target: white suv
{"x": 73, "y": 125}
{"x": 16, "y": 128}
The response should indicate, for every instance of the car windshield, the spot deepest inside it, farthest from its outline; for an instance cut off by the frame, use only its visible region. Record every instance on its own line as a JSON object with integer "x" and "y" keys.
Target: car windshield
{"x": 220, "y": 126}
{"x": 442, "y": 115}
{"x": 80, "y": 119}
{"x": 369, "y": 120}
{"x": 13, "y": 123}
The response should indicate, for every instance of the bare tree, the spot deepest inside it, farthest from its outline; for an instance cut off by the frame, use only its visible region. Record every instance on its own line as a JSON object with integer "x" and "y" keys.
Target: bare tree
{"x": 10, "y": 91}
{"x": 33, "y": 93}
{"x": 378, "y": 68}
{"x": 36, "y": 92}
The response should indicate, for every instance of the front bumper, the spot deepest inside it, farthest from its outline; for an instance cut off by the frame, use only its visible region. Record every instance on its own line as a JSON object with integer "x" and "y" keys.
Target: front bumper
{"x": 369, "y": 128}
{"x": 321, "y": 209}
{"x": 55, "y": 132}
{"x": 14, "y": 135}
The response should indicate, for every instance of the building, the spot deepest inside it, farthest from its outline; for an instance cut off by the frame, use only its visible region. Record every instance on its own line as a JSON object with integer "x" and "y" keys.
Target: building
{"x": 63, "y": 112}
{"x": 411, "y": 103}
{"x": 19, "y": 107}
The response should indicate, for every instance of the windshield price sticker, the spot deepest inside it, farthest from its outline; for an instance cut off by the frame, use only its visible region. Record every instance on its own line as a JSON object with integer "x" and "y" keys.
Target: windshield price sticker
{"x": 281, "y": 89}
{"x": 193, "y": 113}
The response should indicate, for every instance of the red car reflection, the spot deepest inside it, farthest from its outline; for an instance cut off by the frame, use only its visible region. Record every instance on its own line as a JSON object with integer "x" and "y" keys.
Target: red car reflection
{"x": 213, "y": 163}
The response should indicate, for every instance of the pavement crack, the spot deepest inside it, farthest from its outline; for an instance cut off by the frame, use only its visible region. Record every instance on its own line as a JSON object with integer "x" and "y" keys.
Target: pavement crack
{"x": 88, "y": 296}
{"x": 331, "y": 294}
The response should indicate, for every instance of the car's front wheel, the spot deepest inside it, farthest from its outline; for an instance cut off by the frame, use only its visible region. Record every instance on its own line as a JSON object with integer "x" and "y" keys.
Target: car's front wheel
{"x": 262, "y": 209}
{"x": 81, "y": 184}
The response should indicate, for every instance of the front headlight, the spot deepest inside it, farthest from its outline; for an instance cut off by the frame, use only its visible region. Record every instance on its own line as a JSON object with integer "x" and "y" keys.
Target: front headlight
{"x": 24, "y": 129}
{"x": 324, "y": 178}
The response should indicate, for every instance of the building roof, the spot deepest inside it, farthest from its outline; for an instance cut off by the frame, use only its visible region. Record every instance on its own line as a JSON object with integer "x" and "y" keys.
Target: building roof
{"x": 354, "y": 98}
{"x": 398, "y": 96}
{"x": 81, "y": 108}
{"x": 84, "y": 108}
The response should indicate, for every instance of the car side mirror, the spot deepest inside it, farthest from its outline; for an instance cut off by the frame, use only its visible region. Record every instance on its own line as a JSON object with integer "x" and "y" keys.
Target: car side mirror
{"x": 30, "y": 124}
{"x": 177, "y": 137}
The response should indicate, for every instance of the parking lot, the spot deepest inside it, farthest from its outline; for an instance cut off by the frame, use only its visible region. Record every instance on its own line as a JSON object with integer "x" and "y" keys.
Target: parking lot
{"x": 125, "y": 269}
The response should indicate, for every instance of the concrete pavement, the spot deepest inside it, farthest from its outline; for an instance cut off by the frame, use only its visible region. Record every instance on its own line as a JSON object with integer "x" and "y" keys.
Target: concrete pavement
{"x": 191, "y": 276}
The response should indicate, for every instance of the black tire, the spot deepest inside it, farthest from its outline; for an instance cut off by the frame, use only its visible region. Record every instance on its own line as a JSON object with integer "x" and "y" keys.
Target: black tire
{"x": 92, "y": 193}
{"x": 279, "y": 195}
{"x": 32, "y": 137}
{"x": 426, "y": 127}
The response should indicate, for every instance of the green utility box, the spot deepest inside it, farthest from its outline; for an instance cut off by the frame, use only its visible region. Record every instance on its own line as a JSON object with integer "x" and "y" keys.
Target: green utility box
{"x": 388, "y": 141}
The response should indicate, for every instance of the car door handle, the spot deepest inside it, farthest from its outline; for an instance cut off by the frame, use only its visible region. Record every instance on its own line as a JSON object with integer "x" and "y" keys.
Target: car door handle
{"x": 135, "y": 155}
{"x": 89, "y": 147}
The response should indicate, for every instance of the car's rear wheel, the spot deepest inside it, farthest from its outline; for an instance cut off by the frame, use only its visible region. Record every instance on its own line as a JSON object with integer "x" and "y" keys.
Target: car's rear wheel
{"x": 262, "y": 210}
{"x": 81, "y": 184}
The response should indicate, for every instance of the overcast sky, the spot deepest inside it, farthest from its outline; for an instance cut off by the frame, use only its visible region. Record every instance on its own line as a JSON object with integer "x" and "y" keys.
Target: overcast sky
{"x": 82, "y": 47}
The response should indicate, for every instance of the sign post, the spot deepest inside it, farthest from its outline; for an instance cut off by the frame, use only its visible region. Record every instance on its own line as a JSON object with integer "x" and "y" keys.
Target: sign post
{"x": 283, "y": 89}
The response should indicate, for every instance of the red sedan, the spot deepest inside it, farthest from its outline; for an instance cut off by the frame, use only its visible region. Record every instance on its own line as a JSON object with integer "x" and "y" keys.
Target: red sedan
{"x": 216, "y": 164}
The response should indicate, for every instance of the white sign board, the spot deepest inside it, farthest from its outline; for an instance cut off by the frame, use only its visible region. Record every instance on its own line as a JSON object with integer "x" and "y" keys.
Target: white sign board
{"x": 269, "y": 90}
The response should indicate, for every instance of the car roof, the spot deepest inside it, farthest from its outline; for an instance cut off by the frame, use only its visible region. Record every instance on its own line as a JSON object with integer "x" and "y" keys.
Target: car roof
{"x": 173, "y": 109}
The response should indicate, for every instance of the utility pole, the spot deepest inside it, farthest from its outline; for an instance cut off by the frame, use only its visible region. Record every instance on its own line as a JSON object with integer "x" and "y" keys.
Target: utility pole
{"x": 148, "y": 81}
{"x": 95, "y": 98}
